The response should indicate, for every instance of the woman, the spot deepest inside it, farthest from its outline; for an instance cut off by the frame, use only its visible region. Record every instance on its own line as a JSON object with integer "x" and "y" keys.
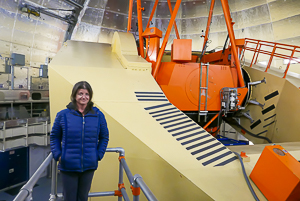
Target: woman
{"x": 78, "y": 141}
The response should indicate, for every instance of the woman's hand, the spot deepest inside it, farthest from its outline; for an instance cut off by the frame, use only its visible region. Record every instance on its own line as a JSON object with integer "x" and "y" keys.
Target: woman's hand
{"x": 59, "y": 159}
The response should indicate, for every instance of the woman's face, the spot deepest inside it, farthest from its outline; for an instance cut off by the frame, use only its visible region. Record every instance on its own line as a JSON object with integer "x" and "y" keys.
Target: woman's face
{"x": 82, "y": 97}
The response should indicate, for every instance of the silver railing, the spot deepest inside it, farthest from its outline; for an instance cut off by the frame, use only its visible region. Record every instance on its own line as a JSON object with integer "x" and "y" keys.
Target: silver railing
{"x": 136, "y": 181}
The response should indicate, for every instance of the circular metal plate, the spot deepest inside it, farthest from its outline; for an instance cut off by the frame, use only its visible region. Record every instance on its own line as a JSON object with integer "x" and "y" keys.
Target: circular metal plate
{"x": 279, "y": 152}
{"x": 192, "y": 88}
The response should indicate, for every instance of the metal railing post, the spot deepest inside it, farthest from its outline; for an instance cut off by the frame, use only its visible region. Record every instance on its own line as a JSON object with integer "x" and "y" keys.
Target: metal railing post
{"x": 127, "y": 170}
{"x": 27, "y": 132}
{"x": 258, "y": 51}
{"x": 120, "y": 177}
{"x": 147, "y": 192}
{"x": 4, "y": 136}
{"x": 271, "y": 58}
{"x": 25, "y": 192}
{"x": 254, "y": 54}
{"x": 46, "y": 131}
{"x": 245, "y": 46}
{"x": 129, "y": 175}
{"x": 53, "y": 180}
{"x": 288, "y": 66}
{"x": 125, "y": 196}
{"x": 135, "y": 197}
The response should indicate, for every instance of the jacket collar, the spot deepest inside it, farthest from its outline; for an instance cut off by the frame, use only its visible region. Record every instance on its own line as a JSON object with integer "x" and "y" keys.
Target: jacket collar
{"x": 73, "y": 109}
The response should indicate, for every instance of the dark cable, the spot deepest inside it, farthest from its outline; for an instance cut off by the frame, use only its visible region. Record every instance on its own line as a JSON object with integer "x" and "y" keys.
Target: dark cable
{"x": 147, "y": 48}
{"x": 225, "y": 44}
{"x": 246, "y": 177}
{"x": 251, "y": 134}
{"x": 204, "y": 49}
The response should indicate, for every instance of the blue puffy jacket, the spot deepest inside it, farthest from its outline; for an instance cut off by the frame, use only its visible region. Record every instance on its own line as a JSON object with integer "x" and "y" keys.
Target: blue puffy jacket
{"x": 79, "y": 140}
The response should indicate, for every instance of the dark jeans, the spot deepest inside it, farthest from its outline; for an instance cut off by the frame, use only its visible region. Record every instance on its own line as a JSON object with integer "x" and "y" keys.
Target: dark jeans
{"x": 76, "y": 185}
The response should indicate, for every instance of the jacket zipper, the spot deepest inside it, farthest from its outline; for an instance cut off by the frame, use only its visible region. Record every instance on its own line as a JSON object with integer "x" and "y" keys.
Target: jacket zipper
{"x": 82, "y": 143}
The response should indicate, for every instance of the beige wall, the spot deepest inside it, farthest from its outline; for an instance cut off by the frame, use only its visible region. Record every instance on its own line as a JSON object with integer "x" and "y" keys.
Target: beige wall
{"x": 158, "y": 174}
{"x": 285, "y": 127}
{"x": 166, "y": 164}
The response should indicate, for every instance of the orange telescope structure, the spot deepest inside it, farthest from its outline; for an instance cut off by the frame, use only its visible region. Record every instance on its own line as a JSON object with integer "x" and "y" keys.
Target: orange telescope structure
{"x": 201, "y": 86}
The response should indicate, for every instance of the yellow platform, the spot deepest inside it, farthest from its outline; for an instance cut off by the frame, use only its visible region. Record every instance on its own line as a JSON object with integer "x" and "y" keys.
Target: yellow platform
{"x": 177, "y": 161}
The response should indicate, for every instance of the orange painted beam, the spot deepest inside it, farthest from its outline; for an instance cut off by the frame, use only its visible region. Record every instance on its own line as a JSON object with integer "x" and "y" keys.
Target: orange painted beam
{"x": 140, "y": 27}
{"x": 129, "y": 16}
{"x": 210, "y": 121}
{"x": 229, "y": 25}
{"x": 152, "y": 13}
{"x": 164, "y": 44}
{"x": 208, "y": 23}
{"x": 175, "y": 26}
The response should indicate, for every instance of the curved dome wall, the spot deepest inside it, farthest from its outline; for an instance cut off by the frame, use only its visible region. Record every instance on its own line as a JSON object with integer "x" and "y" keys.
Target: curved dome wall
{"x": 35, "y": 37}
{"x": 273, "y": 20}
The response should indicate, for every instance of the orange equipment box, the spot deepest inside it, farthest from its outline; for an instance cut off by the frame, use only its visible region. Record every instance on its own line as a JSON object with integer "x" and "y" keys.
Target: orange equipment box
{"x": 277, "y": 174}
{"x": 181, "y": 50}
{"x": 152, "y": 32}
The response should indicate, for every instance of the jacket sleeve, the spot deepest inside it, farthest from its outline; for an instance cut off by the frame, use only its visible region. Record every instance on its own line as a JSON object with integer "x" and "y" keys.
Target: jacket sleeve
{"x": 56, "y": 137}
{"x": 103, "y": 137}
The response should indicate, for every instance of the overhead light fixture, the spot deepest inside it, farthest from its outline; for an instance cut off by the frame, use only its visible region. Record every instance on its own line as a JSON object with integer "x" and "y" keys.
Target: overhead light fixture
{"x": 264, "y": 63}
{"x": 294, "y": 61}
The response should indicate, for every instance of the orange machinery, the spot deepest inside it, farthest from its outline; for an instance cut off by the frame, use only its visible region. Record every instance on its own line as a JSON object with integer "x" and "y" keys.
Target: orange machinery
{"x": 199, "y": 87}
{"x": 277, "y": 174}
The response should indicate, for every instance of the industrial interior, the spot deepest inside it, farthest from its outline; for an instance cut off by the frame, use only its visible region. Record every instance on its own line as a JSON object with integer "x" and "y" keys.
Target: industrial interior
{"x": 201, "y": 94}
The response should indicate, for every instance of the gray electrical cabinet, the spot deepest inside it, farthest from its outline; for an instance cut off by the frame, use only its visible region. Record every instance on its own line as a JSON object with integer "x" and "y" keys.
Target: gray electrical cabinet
{"x": 14, "y": 168}
{"x": 43, "y": 71}
{"x": 17, "y": 59}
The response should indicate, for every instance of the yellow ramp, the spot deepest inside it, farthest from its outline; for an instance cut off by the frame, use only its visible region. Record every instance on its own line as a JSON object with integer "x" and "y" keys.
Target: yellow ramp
{"x": 175, "y": 156}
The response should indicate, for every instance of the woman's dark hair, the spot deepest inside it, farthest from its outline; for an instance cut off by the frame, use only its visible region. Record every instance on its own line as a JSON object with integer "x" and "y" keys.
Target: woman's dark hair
{"x": 82, "y": 85}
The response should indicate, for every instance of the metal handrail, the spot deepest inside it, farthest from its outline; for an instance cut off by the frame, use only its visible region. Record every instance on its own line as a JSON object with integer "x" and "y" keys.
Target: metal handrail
{"x": 136, "y": 181}
{"x": 26, "y": 191}
{"x": 276, "y": 46}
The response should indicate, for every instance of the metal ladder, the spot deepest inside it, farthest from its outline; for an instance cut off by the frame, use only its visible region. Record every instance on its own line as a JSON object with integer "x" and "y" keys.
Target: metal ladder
{"x": 204, "y": 112}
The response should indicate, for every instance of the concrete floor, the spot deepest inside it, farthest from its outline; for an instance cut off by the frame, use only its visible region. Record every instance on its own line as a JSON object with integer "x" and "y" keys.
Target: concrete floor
{"x": 40, "y": 192}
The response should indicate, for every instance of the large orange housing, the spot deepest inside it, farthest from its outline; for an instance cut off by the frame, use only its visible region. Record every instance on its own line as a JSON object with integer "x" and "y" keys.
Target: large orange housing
{"x": 181, "y": 50}
{"x": 277, "y": 174}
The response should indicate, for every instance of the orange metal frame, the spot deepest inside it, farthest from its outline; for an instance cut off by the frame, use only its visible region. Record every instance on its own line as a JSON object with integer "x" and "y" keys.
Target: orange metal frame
{"x": 260, "y": 46}
{"x": 166, "y": 38}
{"x": 172, "y": 22}
{"x": 212, "y": 5}
{"x": 179, "y": 79}
{"x": 230, "y": 30}
{"x": 129, "y": 16}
